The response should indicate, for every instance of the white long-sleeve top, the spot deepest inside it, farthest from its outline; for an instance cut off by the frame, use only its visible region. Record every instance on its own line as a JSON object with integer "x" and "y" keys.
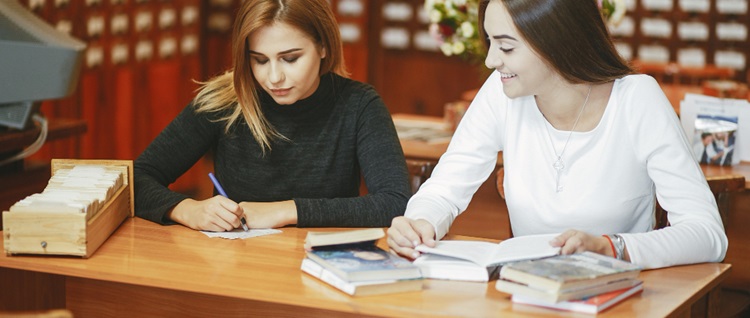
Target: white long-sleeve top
{"x": 611, "y": 174}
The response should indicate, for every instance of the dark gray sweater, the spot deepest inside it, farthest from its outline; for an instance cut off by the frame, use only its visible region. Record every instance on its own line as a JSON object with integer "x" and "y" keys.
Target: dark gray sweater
{"x": 341, "y": 132}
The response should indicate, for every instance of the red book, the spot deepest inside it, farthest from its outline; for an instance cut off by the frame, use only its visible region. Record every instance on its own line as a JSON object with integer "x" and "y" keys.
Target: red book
{"x": 590, "y": 305}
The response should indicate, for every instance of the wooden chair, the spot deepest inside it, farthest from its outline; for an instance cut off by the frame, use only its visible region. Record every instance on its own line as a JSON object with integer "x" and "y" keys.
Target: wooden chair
{"x": 734, "y": 302}
{"x": 419, "y": 172}
{"x": 722, "y": 187}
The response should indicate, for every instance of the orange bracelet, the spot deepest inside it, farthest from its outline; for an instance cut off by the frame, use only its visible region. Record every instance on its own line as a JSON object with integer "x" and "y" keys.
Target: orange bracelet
{"x": 612, "y": 245}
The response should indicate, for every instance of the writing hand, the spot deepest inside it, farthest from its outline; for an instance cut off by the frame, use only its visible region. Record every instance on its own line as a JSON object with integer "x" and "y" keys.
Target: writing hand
{"x": 405, "y": 234}
{"x": 215, "y": 214}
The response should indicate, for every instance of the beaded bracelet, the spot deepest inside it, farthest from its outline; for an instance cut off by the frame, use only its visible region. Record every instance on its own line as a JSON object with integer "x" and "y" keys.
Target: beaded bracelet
{"x": 611, "y": 245}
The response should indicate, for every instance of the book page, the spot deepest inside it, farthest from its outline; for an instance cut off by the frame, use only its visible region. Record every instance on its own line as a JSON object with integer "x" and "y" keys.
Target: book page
{"x": 525, "y": 247}
{"x": 474, "y": 251}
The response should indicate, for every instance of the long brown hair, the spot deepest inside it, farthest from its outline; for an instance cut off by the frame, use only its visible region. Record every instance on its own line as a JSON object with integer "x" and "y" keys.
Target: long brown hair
{"x": 237, "y": 89}
{"x": 569, "y": 34}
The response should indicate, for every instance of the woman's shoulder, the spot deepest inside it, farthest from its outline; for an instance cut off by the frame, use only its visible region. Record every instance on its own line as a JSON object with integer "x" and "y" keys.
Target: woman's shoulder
{"x": 345, "y": 85}
{"x": 637, "y": 80}
{"x": 639, "y": 88}
{"x": 641, "y": 95}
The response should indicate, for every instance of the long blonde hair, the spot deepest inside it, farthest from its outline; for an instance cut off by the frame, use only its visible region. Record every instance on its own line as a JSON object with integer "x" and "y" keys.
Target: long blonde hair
{"x": 237, "y": 89}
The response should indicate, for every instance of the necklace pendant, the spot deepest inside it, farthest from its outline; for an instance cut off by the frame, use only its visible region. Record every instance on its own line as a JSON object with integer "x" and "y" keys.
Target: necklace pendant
{"x": 558, "y": 165}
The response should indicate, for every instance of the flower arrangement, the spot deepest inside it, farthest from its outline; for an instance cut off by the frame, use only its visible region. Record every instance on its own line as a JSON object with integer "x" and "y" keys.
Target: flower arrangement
{"x": 612, "y": 11}
{"x": 453, "y": 24}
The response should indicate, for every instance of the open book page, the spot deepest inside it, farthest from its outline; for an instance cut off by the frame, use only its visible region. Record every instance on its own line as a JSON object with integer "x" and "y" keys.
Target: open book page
{"x": 525, "y": 247}
{"x": 488, "y": 254}
{"x": 474, "y": 251}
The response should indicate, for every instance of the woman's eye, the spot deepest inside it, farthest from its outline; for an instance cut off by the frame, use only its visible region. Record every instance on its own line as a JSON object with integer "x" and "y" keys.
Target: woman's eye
{"x": 508, "y": 50}
{"x": 291, "y": 59}
{"x": 261, "y": 60}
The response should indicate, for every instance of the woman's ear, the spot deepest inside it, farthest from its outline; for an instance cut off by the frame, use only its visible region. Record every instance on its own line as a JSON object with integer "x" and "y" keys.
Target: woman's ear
{"x": 322, "y": 52}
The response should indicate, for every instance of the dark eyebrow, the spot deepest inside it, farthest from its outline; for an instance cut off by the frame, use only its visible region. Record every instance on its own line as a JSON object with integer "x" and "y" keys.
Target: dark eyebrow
{"x": 280, "y": 53}
{"x": 504, "y": 36}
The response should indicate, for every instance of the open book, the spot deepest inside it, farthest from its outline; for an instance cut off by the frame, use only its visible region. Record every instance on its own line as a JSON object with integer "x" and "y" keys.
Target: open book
{"x": 480, "y": 261}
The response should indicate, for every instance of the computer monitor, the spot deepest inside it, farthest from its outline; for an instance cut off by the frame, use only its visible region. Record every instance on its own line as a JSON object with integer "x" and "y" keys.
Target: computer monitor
{"x": 37, "y": 62}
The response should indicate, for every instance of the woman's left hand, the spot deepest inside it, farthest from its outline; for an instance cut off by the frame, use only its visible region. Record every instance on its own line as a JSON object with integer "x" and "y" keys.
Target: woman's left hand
{"x": 574, "y": 241}
{"x": 266, "y": 215}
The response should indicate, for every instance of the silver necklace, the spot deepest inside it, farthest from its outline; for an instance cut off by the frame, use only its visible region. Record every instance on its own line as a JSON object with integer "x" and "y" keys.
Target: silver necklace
{"x": 559, "y": 165}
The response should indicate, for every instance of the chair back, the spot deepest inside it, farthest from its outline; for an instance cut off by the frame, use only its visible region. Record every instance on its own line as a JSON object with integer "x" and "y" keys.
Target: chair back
{"x": 419, "y": 172}
{"x": 721, "y": 187}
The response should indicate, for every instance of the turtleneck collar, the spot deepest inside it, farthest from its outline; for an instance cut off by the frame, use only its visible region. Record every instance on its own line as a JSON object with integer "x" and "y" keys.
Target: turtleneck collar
{"x": 321, "y": 97}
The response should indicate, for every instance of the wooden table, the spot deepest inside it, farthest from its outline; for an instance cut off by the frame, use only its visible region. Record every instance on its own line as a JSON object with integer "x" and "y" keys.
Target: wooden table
{"x": 416, "y": 149}
{"x": 149, "y": 270}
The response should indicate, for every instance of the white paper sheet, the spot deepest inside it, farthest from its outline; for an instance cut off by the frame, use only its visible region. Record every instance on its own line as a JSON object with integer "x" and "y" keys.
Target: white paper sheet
{"x": 241, "y": 234}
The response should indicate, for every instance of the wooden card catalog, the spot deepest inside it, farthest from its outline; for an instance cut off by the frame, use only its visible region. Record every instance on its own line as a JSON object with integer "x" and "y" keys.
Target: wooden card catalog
{"x": 731, "y": 6}
{"x": 729, "y": 58}
{"x": 83, "y": 204}
{"x": 625, "y": 50}
{"x": 695, "y": 57}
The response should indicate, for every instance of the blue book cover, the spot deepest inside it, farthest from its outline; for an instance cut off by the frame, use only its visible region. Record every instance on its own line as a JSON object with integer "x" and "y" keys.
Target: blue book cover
{"x": 362, "y": 262}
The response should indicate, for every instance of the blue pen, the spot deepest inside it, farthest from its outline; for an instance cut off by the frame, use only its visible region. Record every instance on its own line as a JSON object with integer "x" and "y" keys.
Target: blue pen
{"x": 221, "y": 191}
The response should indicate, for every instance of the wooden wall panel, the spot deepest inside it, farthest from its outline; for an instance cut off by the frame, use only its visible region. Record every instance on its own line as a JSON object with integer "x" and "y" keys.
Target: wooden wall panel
{"x": 690, "y": 32}
{"x": 409, "y": 78}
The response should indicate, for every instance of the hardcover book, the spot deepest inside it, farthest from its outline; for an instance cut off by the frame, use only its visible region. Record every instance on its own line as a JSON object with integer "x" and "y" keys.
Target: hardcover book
{"x": 354, "y": 257}
{"x": 362, "y": 262}
{"x": 480, "y": 261}
{"x": 590, "y": 305}
{"x": 319, "y": 239}
{"x": 552, "y": 297}
{"x": 362, "y": 288}
{"x": 571, "y": 271}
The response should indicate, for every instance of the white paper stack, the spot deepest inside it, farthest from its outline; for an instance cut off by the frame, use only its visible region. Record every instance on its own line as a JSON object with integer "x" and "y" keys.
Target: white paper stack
{"x": 81, "y": 189}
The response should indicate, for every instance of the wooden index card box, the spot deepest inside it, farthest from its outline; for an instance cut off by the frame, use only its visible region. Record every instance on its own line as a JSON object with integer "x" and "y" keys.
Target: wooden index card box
{"x": 49, "y": 232}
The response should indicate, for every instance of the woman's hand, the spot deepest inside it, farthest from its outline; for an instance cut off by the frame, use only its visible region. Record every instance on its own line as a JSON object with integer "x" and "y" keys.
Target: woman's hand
{"x": 266, "y": 215}
{"x": 216, "y": 214}
{"x": 405, "y": 234}
{"x": 573, "y": 241}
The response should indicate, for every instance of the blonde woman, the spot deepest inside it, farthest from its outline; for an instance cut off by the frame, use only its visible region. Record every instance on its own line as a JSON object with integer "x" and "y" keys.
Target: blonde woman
{"x": 291, "y": 135}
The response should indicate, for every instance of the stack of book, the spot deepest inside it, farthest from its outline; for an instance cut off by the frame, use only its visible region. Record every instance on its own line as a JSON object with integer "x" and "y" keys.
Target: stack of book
{"x": 587, "y": 281}
{"x": 351, "y": 262}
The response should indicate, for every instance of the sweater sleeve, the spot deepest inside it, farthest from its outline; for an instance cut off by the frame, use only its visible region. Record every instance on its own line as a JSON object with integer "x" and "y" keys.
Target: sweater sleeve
{"x": 383, "y": 167}
{"x": 696, "y": 233}
{"x": 469, "y": 160}
{"x": 185, "y": 140}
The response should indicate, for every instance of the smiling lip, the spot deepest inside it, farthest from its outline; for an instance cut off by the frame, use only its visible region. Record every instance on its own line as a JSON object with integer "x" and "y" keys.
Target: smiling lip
{"x": 507, "y": 77}
{"x": 281, "y": 91}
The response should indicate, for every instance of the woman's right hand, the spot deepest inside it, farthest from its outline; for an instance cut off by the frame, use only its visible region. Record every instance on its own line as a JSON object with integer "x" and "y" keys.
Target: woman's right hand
{"x": 405, "y": 234}
{"x": 216, "y": 214}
